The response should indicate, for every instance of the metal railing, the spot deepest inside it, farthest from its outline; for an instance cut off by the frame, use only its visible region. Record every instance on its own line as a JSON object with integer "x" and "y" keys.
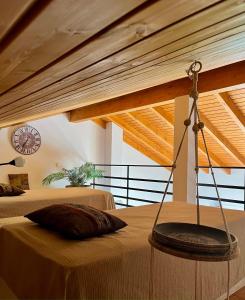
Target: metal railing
{"x": 124, "y": 190}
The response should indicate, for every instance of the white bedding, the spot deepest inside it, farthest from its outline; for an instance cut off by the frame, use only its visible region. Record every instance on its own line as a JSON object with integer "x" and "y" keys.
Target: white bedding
{"x": 39, "y": 198}
{"x": 115, "y": 266}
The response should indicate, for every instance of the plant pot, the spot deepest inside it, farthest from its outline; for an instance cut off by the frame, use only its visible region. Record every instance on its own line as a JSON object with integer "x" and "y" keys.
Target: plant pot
{"x": 81, "y": 186}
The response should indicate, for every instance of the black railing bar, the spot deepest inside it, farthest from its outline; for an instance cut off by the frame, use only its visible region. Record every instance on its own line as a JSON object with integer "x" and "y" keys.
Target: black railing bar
{"x": 118, "y": 165}
{"x": 169, "y": 166}
{"x": 133, "y": 189}
{"x": 202, "y": 197}
{"x": 127, "y": 182}
{"x": 121, "y": 204}
{"x": 224, "y": 186}
{"x": 137, "y": 179}
{"x": 136, "y": 199}
{"x": 222, "y": 199}
{"x": 244, "y": 192}
{"x": 112, "y": 186}
{"x": 238, "y": 187}
{"x": 228, "y": 201}
{"x": 224, "y": 167}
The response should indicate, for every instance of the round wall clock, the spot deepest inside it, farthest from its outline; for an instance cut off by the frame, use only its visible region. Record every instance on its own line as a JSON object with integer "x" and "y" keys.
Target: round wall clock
{"x": 26, "y": 140}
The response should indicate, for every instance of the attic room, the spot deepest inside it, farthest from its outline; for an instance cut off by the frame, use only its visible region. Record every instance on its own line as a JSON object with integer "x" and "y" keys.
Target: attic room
{"x": 122, "y": 149}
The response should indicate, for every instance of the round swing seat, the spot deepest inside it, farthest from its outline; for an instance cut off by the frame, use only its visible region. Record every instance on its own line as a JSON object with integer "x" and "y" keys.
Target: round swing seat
{"x": 193, "y": 241}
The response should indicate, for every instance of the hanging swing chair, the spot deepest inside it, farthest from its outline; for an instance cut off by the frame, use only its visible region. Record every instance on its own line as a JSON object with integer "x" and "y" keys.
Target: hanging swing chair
{"x": 187, "y": 240}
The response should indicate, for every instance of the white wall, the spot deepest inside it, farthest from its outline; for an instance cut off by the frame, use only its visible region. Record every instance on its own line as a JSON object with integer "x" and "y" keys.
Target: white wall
{"x": 64, "y": 144}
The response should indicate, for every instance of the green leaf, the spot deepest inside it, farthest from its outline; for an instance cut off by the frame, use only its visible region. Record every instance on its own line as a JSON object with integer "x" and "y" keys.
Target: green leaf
{"x": 53, "y": 177}
{"x": 77, "y": 176}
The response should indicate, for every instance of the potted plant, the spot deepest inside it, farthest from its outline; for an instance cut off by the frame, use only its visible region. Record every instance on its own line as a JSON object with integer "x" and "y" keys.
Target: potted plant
{"x": 77, "y": 176}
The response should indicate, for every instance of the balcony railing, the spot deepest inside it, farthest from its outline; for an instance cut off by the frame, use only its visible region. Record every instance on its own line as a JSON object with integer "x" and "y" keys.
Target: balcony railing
{"x": 124, "y": 182}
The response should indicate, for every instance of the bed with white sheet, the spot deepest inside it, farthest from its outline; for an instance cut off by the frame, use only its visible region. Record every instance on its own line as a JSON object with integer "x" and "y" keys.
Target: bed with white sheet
{"x": 39, "y": 264}
{"x": 38, "y": 198}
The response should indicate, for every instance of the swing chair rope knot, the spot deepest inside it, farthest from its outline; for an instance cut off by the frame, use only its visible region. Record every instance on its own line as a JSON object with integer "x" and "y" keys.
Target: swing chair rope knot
{"x": 192, "y": 72}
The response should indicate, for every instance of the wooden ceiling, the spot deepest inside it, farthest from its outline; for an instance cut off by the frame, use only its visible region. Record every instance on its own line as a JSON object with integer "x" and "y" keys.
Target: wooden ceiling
{"x": 59, "y": 55}
{"x": 150, "y": 130}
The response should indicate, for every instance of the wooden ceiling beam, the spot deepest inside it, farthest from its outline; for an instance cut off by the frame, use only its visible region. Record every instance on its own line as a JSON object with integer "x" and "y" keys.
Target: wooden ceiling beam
{"x": 155, "y": 147}
{"x": 232, "y": 110}
{"x": 141, "y": 147}
{"x": 222, "y": 140}
{"x": 11, "y": 12}
{"x": 168, "y": 120}
{"x": 100, "y": 122}
{"x": 213, "y": 80}
{"x": 151, "y": 130}
{"x": 165, "y": 117}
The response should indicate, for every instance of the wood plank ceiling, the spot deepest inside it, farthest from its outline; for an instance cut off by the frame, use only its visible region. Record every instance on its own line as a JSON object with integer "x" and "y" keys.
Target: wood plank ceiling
{"x": 150, "y": 130}
{"x": 58, "y": 55}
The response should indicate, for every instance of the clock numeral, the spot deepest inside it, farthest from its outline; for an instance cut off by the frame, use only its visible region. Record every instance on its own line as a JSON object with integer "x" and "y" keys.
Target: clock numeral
{"x": 27, "y": 151}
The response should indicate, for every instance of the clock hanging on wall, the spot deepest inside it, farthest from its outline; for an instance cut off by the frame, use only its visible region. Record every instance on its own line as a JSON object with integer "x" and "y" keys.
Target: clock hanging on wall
{"x": 26, "y": 140}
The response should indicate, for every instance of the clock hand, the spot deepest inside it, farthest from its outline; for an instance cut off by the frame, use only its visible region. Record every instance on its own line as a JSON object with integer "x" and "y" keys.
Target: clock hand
{"x": 25, "y": 142}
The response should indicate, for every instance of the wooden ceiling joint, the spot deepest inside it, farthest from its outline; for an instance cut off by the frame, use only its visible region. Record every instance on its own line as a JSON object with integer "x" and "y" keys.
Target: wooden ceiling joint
{"x": 232, "y": 110}
{"x": 150, "y": 129}
{"x": 154, "y": 146}
{"x": 143, "y": 148}
{"x": 167, "y": 118}
{"x": 100, "y": 122}
{"x": 222, "y": 140}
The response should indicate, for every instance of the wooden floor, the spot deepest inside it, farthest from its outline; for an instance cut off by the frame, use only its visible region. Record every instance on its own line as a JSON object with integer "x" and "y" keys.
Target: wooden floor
{"x": 240, "y": 295}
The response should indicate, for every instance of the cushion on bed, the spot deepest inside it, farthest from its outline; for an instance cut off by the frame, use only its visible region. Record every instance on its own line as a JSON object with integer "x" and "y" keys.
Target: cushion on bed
{"x": 9, "y": 190}
{"x": 76, "y": 221}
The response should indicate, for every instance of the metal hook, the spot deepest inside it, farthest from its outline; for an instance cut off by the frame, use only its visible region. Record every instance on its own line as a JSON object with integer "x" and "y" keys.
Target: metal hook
{"x": 194, "y": 68}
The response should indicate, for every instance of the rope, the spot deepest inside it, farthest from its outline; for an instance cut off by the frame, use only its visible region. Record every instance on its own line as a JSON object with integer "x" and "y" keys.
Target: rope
{"x": 216, "y": 188}
{"x": 221, "y": 208}
{"x": 198, "y": 125}
{"x": 196, "y": 129}
{"x": 196, "y": 279}
{"x": 151, "y": 274}
{"x": 174, "y": 164}
{"x": 228, "y": 280}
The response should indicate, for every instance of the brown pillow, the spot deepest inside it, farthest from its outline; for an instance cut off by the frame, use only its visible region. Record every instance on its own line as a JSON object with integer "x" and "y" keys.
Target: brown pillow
{"x": 9, "y": 190}
{"x": 76, "y": 221}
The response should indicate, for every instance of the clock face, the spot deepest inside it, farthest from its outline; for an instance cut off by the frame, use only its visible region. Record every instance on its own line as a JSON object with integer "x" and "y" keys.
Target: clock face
{"x": 26, "y": 140}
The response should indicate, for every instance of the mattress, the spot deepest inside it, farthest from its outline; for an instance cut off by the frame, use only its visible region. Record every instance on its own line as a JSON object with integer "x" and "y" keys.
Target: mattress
{"x": 39, "y": 264}
{"x": 39, "y": 198}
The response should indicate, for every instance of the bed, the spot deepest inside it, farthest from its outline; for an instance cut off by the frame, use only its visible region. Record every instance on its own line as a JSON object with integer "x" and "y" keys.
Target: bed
{"x": 38, "y": 198}
{"x": 116, "y": 266}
